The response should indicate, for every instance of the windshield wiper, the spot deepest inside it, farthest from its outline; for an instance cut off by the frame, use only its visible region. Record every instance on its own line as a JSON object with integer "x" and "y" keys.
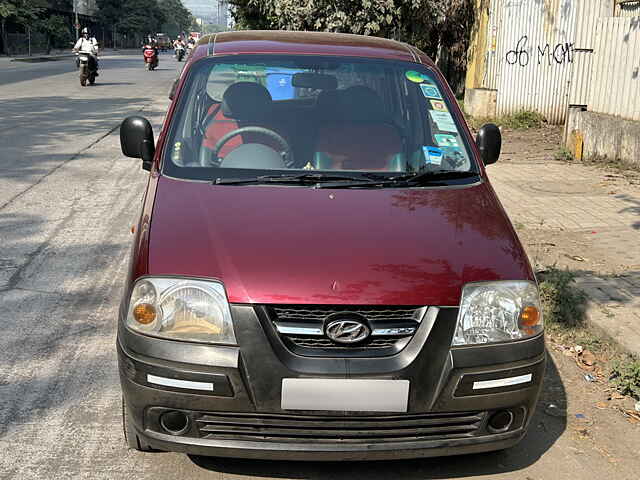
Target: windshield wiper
{"x": 404, "y": 180}
{"x": 303, "y": 179}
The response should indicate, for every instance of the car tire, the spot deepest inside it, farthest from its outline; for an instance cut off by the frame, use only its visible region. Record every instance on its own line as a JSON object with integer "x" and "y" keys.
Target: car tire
{"x": 130, "y": 435}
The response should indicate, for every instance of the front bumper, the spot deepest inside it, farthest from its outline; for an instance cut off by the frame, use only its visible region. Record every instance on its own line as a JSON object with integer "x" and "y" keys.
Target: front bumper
{"x": 242, "y": 415}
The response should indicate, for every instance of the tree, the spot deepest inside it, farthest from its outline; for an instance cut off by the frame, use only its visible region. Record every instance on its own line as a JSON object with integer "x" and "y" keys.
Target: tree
{"x": 435, "y": 26}
{"x": 178, "y": 18}
{"x": 56, "y": 29}
{"x": 23, "y": 12}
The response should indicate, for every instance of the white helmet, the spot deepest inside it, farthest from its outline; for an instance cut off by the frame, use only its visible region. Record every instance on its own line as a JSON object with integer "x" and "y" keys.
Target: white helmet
{"x": 85, "y": 30}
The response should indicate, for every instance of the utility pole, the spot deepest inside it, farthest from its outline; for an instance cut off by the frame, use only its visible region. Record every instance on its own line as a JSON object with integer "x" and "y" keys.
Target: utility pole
{"x": 77, "y": 25}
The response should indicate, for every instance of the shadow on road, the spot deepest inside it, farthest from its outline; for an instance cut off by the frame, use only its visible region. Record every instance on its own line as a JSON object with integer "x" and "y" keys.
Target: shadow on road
{"x": 543, "y": 432}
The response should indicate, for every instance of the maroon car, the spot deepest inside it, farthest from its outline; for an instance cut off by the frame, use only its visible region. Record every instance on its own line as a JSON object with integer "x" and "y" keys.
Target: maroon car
{"x": 321, "y": 269}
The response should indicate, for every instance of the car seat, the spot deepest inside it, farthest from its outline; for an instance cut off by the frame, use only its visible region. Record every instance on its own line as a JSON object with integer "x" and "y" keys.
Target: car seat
{"x": 356, "y": 133}
{"x": 243, "y": 103}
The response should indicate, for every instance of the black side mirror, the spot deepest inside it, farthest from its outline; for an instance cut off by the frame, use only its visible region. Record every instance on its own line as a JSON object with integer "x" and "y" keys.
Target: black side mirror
{"x": 489, "y": 141}
{"x": 136, "y": 140}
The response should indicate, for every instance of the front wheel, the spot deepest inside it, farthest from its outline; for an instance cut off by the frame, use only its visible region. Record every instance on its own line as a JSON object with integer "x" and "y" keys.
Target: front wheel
{"x": 83, "y": 76}
{"x": 148, "y": 66}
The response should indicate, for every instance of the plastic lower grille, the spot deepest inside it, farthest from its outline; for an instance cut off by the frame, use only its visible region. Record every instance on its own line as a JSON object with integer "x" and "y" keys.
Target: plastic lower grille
{"x": 321, "y": 429}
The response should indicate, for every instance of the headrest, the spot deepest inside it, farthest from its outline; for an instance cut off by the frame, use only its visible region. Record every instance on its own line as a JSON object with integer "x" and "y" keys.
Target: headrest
{"x": 246, "y": 100}
{"x": 353, "y": 104}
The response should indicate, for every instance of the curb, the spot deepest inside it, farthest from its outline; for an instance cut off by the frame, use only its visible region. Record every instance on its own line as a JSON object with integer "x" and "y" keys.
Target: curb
{"x": 53, "y": 58}
{"x": 605, "y": 325}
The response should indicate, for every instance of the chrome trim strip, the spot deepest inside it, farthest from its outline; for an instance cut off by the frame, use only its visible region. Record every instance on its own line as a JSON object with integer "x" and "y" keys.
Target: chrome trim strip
{"x": 398, "y": 332}
{"x": 172, "y": 382}
{"x": 299, "y": 330}
{"x": 502, "y": 382}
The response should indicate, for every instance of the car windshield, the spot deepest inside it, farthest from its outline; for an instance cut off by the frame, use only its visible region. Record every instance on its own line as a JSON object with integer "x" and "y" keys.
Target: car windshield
{"x": 251, "y": 116}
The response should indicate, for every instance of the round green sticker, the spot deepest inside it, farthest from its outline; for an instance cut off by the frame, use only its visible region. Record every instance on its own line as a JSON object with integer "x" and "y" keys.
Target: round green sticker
{"x": 414, "y": 76}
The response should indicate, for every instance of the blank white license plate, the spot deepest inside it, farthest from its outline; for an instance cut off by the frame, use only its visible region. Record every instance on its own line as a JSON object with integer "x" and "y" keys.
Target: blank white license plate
{"x": 350, "y": 395}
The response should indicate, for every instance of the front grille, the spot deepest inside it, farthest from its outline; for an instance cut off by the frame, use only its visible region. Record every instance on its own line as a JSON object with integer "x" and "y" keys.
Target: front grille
{"x": 301, "y": 328}
{"x": 304, "y": 313}
{"x": 321, "y": 429}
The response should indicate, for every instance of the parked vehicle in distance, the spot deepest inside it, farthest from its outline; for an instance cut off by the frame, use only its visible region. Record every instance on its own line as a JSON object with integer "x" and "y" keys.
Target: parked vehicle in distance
{"x": 321, "y": 268}
{"x": 164, "y": 42}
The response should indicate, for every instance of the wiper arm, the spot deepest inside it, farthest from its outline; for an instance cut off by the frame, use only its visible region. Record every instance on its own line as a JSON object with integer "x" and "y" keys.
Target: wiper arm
{"x": 304, "y": 178}
{"x": 434, "y": 175}
{"x": 402, "y": 180}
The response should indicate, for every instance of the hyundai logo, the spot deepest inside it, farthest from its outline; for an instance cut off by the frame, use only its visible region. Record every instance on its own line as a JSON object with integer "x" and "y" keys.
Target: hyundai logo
{"x": 347, "y": 331}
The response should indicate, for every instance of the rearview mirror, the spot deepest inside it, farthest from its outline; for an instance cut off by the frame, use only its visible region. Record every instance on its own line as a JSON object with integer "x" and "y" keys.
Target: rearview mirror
{"x": 489, "y": 141}
{"x": 136, "y": 140}
{"x": 319, "y": 81}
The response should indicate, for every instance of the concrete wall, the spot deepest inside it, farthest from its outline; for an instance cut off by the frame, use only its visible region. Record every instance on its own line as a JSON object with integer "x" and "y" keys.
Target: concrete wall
{"x": 592, "y": 135}
{"x": 480, "y": 102}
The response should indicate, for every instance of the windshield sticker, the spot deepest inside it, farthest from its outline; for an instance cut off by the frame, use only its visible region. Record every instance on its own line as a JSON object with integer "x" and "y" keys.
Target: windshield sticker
{"x": 432, "y": 155}
{"x": 438, "y": 105}
{"x": 444, "y": 121}
{"x": 431, "y": 91}
{"x": 446, "y": 140}
{"x": 415, "y": 77}
{"x": 454, "y": 156}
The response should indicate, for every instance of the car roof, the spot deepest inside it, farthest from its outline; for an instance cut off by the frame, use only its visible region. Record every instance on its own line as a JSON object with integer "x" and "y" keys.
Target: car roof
{"x": 306, "y": 43}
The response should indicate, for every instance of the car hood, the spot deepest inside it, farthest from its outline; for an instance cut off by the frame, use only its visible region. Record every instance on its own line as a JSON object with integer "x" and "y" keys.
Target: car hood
{"x": 299, "y": 245}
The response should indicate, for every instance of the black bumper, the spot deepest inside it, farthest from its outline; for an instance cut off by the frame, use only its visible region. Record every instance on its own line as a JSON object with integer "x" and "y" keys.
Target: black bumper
{"x": 247, "y": 388}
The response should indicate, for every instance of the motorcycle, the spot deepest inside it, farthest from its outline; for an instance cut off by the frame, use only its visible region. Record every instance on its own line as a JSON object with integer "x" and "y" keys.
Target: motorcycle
{"x": 150, "y": 57}
{"x": 180, "y": 53}
{"x": 88, "y": 66}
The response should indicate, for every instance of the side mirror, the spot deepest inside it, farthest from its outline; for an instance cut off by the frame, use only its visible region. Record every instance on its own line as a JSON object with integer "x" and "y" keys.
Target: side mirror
{"x": 489, "y": 141}
{"x": 136, "y": 140}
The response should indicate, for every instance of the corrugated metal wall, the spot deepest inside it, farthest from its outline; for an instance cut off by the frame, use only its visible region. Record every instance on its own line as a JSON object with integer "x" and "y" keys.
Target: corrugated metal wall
{"x": 535, "y": 48}
{"x": 588, "y": 13}
{"x": 492, "y": 59}
{"x": 615, "y": 75}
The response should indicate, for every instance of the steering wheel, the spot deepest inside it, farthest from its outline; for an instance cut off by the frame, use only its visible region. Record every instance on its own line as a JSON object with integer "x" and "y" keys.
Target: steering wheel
{"x": 287, "y": 152}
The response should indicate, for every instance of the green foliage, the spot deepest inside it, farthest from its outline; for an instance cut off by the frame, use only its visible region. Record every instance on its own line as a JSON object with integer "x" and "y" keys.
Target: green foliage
{"x": 56, "y": 29}
{"x": 24, "y": 12}
{"x": 625, "y": 375}
{"x": 432, "y": 25}
{"x": 563, "y": 155}
{"x": 562, "y": 302}
{"x": 143, "y": 17}
{"x": 177, "y": 17}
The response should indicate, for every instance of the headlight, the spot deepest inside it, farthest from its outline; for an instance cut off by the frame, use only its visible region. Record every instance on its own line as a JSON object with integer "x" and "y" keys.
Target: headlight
{"x": 181, "y": 309}
{"x": 498, "y": 312}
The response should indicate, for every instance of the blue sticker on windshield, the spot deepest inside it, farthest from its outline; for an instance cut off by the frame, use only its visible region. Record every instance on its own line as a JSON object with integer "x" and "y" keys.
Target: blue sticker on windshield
{"x": 432, "y": 155}
{"x": 430, "y": 91}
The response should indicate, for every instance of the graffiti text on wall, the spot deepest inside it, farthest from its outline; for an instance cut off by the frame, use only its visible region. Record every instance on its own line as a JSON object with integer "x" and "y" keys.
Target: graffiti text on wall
{"x": 559, "y": 53}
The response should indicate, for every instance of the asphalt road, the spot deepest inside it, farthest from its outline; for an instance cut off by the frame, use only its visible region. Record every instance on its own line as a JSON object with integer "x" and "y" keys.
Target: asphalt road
{"x": 67, "y": 201}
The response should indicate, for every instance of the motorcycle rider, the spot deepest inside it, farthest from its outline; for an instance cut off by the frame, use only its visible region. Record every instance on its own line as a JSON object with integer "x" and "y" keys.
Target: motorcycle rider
{"x": 177, "y": 44}
{"x": 153, "y": 44}
{"x": 89, "y": 45}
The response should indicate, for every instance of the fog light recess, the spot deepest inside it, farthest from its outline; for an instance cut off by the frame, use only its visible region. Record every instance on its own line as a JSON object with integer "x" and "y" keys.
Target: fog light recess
{"x": 500, "y": 421}
{"x": 174, "y": 422}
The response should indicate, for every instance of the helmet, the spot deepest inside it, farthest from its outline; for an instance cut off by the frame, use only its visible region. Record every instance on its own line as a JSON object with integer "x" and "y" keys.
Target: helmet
{"x": 85, "y": 31}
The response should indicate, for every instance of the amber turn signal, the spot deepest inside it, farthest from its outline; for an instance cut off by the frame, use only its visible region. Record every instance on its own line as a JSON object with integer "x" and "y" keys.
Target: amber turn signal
{"x": 144, "y": 313}
{"x": 529, "y": 317}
